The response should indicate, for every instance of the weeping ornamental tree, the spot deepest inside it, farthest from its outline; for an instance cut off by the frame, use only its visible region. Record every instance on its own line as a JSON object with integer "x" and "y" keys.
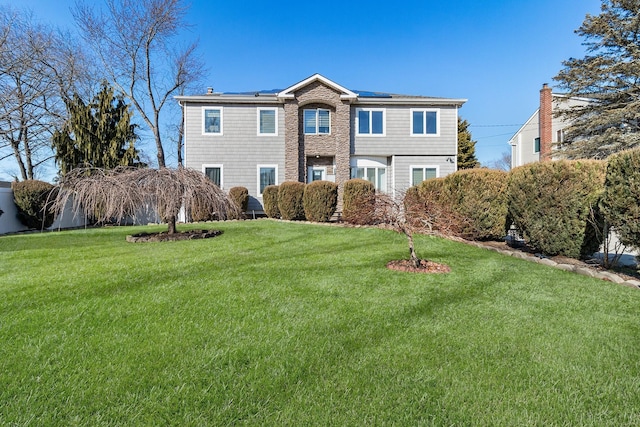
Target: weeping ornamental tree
{"x": 98, "y": 134}
{"x": 608, "y": 75}
{"x": 124, "y": 192}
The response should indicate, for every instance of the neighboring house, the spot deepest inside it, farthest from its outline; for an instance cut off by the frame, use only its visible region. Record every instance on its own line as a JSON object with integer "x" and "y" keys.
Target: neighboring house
{"x": 319, "y": 130}
{"x": 536, "y": 139}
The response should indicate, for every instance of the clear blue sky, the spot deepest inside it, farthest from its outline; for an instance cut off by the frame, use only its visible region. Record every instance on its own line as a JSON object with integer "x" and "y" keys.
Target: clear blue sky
{"x": 495, "y": 53}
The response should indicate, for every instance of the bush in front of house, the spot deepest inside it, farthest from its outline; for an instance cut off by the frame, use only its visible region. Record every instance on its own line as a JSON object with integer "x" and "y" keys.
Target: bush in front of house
{"x": 240, "y": 196}
{"x": 621, "y": 199}
{"x": 478, "y": 196}
{"x": 358, "y": 202}
{"x": 429, "y": 209}
{"x": 320, "y": 200}
{"x": 290, "y": 200}
{"x": 270, "y": 201}
{"x": 555, "y": 205}
{"x": 32, "y": 198}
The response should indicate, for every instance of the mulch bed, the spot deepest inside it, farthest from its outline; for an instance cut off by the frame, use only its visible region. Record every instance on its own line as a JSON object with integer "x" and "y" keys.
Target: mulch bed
{"x": 166, "y": 237}
{"x": 428, "y": 267}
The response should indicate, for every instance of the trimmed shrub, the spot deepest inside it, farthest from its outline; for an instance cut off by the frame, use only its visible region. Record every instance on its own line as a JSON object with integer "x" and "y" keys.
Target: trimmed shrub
{"x": 479, "y": 196}
{"x": 555, "y": 205}
{"x": 320, "y": 200}
{"x": 621, "y": 199}
{"x": 270, "y": 201}
{"x": 432, "y": 210}
{"x": 290, "y": 204}
{"x": 240, "y": 196}
{"x": 31, "y": 199}
{"x": 358, "y": 202}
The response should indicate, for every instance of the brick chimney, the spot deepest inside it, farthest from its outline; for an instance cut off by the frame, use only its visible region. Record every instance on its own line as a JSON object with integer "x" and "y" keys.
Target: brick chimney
{"x": 545, "y": 122}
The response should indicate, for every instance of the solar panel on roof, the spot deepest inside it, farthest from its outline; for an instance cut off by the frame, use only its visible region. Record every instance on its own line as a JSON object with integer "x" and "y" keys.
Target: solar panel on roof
{"x": 370, "y": 94}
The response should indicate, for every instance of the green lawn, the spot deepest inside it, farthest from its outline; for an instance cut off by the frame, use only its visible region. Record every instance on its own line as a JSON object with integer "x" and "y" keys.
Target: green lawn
{"x": 295, "y": 324}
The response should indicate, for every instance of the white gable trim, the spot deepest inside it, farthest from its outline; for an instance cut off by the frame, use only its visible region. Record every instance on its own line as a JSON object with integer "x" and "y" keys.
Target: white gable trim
{"x": 288, "y": 93}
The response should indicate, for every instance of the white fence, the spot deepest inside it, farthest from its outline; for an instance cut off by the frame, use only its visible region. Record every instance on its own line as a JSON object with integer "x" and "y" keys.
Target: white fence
{"x": 9, "y": 222}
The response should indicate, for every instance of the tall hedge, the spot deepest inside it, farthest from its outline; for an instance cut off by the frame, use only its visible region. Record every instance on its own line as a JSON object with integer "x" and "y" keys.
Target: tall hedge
{"x": 290, "y": 202}
{"x": 479, "y": 196}
{"x": 270, "y": 201}
{"x": 320, "y": 200}
{"x": 240, "y": 196}
{"x": 621, "y": 200}
{"x": 555, "y": 205}
{"x": 434, "y": 209}
{"x": 358, "y": 201}
{"x": 31, "y": 198}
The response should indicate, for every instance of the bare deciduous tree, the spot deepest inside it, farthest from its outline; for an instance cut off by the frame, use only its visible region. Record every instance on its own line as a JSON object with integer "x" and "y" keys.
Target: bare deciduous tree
{"x": 413, "y": 213}
{"x": 123, "y": 192}
{"x": 134, "y": 40}
{"x": 39, "y": 67}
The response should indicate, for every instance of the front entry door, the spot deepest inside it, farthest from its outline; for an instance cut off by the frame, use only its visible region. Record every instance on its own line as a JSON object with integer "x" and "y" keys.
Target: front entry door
{"x": 316, "y": 173}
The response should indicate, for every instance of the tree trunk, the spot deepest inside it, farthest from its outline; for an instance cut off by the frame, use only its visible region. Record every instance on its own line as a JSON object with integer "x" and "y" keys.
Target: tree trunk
{"x": 412, "y": 252}
{"x": 161, "y": 163}
{"x": 171, "y": 223}
{"x": 180, "y": 137}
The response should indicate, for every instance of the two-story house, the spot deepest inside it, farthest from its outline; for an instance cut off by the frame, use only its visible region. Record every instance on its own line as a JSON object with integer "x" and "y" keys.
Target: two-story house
{"x": 319, "y": 130}
{"x": 540, "y": 134}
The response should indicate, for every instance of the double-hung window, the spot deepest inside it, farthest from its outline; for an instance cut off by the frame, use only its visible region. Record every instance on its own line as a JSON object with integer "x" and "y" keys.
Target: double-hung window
{"x": 317, "y": 122}
{"x": 214, "y": 173}
{"x": 268, "y": 121}
{"x": 212, "y": 120}
{"x": 424, "y": 122}
{"x": 267, "y": 175}
{"x": 371, "y": 121}
{"x": 421, "y": 173}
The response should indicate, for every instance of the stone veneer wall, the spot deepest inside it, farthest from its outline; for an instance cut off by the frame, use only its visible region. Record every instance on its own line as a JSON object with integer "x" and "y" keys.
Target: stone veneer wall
{"x": 298, "y": 145}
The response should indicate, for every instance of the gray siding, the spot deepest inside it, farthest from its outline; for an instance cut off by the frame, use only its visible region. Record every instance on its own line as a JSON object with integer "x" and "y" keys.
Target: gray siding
{"x": 402, "y": 165}
{"x": 398, "y": 139}
{"x": 239, "y": 150}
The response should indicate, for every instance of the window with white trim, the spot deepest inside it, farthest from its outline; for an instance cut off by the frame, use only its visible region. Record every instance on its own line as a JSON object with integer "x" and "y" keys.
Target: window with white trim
{"x": 267, "y": 175}
{"x": 376, "y": 175}
{"x": 214, "y": 173}
{"x": 317, "y": 121}
{"x": 425, "y": 122}
{"x": 212, "y": 120}
{"x": 371, "y": 121}
{"x": 422, "y": 173}
{"x": 268, "y": 121}
{"x": 372, "y": 169}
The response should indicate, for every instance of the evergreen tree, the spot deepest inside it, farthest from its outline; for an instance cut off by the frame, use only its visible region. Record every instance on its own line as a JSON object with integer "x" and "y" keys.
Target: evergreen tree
{"x": 466, "y": 147}
{"x": 608, "y": 76}
{"x": 98, "y": 134}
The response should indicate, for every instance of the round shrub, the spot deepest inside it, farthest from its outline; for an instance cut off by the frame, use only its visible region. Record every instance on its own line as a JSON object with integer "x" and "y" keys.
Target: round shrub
{"x": 320, "y": 200}
{"x": 290, "y": 204}
{"x": 240, "y": 196}
{"x": 358, "y": 201}
{"x": 555, "y": 205}
{"x": 34, "y": 203}
{"x": 270, "y": 201}
{"x": 479, "y": 196}
{"x": 621, "y": 199}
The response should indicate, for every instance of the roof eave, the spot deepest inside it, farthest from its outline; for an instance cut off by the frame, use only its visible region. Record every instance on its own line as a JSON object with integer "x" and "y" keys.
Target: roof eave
{"x": 230, "y": 99}
{"x": 411, "y": 101}
{"x": 289, "y": 93}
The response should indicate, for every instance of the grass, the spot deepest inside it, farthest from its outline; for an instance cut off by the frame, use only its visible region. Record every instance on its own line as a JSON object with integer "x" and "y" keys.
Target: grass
{"x": 295, "y": 324}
